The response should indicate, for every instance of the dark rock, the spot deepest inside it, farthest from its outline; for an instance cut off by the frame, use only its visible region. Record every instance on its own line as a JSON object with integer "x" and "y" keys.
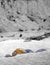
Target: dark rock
{"x": 40, "y": 50}
{"x": 47, "y": 35}
{"x": 20, "y": 30}
{"x": 1, "y": 36}
{"x": 32, "y": 19}
{"x": 8, "y": 55}
{"x": 20, "y": 35}
{"x": 38, "y": 38}
{"x": 28, "y": 51}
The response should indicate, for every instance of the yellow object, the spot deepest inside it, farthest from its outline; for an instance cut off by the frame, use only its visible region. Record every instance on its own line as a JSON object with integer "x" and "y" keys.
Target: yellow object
{"x": 18, "y": 51}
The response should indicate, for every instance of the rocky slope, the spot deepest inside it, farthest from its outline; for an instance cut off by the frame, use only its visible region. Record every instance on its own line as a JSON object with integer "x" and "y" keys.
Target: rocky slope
{"x": 20, "y": 18}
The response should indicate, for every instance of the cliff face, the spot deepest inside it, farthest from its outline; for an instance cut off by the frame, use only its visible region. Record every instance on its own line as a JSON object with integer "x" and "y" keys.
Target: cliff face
{"x": 29, "y": 16}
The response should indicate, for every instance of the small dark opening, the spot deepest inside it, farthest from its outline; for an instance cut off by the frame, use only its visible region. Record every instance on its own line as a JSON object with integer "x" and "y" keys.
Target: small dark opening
{"x": 20, "y": 35}
{"x": 1, "y": 36}
{"x": 20, "y": 30}
{"x": 44, "y": 20}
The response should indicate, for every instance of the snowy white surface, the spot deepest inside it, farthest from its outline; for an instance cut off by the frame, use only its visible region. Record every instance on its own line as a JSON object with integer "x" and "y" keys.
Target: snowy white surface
{"x": 40, "y": 58}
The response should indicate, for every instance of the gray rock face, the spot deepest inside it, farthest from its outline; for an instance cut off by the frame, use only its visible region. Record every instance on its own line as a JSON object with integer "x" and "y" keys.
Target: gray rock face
{"x": 22, "y": 18}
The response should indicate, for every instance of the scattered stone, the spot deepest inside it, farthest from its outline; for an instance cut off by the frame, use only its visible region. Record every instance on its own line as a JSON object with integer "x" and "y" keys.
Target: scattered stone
{"x": 40, "y": 50}
{"x": 18, "y": 51}
{"x": 28, "y": 51}
{"x": 21, "y": 51}
{"x": 8, "y": 55}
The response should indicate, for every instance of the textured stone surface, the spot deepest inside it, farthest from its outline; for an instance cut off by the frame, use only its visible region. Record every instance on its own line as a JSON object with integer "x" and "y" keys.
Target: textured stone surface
{"x": 23, "y": 15}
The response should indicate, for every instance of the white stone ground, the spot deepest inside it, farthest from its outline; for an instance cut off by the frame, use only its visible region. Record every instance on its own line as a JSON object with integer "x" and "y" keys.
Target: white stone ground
{"x": 40, "y": 58}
